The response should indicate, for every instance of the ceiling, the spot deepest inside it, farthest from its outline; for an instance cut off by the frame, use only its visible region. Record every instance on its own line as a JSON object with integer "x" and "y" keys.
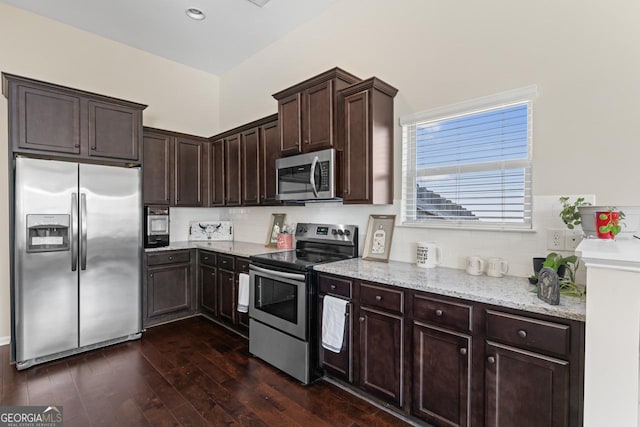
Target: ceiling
{"x": 233, "y": 30}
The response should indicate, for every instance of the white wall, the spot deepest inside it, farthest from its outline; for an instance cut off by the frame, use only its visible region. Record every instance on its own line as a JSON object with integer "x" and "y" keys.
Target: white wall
{"x": 581, "y": 54}
{"x": 179, "y": 98}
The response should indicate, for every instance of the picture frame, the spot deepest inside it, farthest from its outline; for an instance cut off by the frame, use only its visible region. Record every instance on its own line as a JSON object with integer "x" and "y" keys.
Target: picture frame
{"x": 276, "y": 224}
{"x": 377, "y": 244}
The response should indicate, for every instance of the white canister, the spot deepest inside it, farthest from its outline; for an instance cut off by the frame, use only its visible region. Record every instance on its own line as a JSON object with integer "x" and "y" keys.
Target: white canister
{"x": 428, "y": 255}
{"x": 475, "y": 265}
{"x": 497, "y": 267}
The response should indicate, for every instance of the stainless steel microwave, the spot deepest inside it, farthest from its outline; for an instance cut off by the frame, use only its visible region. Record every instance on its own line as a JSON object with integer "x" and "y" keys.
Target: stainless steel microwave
{"x": 310, "y": 176}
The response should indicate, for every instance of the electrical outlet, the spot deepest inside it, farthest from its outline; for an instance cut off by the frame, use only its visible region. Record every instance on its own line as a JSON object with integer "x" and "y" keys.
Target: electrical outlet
{"x": 572, "y": 239}
{"x": 555, "y": 240}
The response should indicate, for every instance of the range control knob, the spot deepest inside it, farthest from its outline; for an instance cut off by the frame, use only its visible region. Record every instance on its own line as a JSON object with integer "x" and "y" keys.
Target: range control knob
{"x": 341, "y": 232}
{"x": 334, "y": 231}
{"x": 347, "y": 232}
{"x": 302, "y": 229}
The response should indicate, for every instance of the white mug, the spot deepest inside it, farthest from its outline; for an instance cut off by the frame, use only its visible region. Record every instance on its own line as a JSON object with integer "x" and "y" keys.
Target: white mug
{"x": 428, "y": 255}
{"x": 475, "y": 265}
{"x": 497, "y": 267}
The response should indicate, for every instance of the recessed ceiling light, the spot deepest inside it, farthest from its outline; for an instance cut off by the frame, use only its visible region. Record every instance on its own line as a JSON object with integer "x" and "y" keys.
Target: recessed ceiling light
{"x": 195, "y": 13}
{"x": 259, "y": 3}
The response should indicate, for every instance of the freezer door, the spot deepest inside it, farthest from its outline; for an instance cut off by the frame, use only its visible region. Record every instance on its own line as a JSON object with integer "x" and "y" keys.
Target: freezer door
{"x": 110, "y": 253}
{"x": 45, "y": 282}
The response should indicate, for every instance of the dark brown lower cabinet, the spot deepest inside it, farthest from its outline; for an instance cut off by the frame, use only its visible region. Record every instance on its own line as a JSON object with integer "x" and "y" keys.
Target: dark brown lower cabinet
{"x": 441, "y": 375}
{"x": 168, "y": 288}
{"x": 381, "y": 352}
{"x": 226, "y": 296}
{"x": 338, "y": 364}
{"x": 525, "y": 388}
{"x": 242, "y": 266}
{"x": 208, "y": 277}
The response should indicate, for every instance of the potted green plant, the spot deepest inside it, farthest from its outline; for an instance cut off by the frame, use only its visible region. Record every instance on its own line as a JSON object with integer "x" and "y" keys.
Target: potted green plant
{"x": 558, "y": 263}
{"x": 609, "y": 223}
{"x": 570, "y": 214}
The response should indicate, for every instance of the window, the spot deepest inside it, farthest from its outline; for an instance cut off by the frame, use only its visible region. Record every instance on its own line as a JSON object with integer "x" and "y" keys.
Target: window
{"x": 469, "y": 164}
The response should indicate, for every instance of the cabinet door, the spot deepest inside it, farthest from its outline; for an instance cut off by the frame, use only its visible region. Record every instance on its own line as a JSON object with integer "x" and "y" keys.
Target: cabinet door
{"x": 168, "y": 290}
{"x": 232, "y": 170}
{"x": 114, "y": 131}
{"x": 217, "y": 174}
{"x": 188, "y": 172}
{"x": 269, "y": 152}
{"x": 317, "y": 117}
{"x": 251, "y": 167}
{"x": 381, "y": 351}
{"x": 46, "y": 120}
{"x": 441, "y": 375}
{"x": 338, "y": 364}
{"x": 157, "y": 169}
{"x": 226, "y": 296}
{"x": 208, "y": 289}
{"x": 356, "y": 173}
{"x": 521, "y": 385}
{"x": 289, "y": 116}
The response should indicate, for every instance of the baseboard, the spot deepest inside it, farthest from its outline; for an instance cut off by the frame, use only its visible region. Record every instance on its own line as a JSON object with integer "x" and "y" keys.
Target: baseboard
{"x": 5, "y": 340}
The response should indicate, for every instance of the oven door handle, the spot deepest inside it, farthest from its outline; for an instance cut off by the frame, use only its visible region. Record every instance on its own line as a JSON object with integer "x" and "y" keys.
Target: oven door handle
{"x": 291, "y": 276}
{"x": 312, "y": 175}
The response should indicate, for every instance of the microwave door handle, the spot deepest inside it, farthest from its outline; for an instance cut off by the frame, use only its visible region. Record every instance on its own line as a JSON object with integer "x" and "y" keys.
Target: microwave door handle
{"x": 312, "y": 175}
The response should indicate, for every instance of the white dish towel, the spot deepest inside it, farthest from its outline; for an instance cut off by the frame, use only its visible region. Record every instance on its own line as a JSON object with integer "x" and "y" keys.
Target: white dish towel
{"x": 243, "y": 292}
{"x": 333, "y": 316}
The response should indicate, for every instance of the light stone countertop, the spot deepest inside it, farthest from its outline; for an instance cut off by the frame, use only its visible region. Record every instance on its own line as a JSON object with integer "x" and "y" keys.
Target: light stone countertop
{"x": 509, "y": 291}
{"x": 242, "y": 249}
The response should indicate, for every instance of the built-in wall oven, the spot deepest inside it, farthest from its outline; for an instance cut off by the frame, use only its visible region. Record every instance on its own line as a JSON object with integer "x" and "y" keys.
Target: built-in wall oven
{"x": 282, "y": 309}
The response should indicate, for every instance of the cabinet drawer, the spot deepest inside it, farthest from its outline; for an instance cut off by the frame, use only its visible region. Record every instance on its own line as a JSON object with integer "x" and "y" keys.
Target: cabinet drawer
{"x": 242, "y": 265}
{"x": 168, "y": 257}
{"x": 442, "y": 313}
{"x": 534, "y": 334}
{"x": 336, "y": 286}
{"x": 226, "y": 261}
{"x": 208, "y": 258}
{"x": 383, "y": 298}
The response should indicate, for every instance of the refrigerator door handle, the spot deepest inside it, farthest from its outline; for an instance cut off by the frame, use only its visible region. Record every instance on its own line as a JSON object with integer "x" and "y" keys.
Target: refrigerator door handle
{"x": 74, "y": 231}
{"x": 83, "y": 231}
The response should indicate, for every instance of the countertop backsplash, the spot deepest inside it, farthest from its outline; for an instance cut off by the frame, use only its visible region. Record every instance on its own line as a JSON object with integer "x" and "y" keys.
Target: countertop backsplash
{"x": 516, "y": 247}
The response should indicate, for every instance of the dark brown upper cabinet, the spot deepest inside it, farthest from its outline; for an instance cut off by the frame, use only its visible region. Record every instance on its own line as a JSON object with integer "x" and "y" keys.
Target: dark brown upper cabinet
{"x": 233, "y": 171}
{"x": 217, "y": 174}
{"x": 307, "y": 112}
{"x": 269, "y": 152}
{"x": 366, "y": 134}
{"x": 53, "y": 120}
{"x": 158, "y": 168}
{"x": 251, "y": 167}
{"x": 189, "y": 172}
{"x": 175, "y": 169}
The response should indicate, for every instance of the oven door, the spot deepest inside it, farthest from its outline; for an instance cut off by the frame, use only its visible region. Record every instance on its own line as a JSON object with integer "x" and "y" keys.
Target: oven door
{"x": 157, "y": 225}
{"x": 278, "y": 299}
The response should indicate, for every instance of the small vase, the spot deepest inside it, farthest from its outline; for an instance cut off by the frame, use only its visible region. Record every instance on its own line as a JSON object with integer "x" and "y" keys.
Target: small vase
{"x": 602, "y": 219}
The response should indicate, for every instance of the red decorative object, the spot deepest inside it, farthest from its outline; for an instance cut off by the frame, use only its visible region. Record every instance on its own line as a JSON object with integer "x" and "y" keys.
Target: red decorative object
{"x": 605, "y": 221}
{"x": 285, "y": 241}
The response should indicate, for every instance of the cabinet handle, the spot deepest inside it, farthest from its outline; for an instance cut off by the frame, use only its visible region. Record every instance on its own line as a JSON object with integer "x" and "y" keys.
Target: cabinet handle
{"x": 93, "y": 148}
{"x": 213, "y": 274}
{"x": 522, "y": 333}
{"x": 378, "y": 298}
{"x": 491, "y": 359}
{"x": 76, "y": 145}
{"x": 333, "y": 286}
{"x": 361, "y": 319}
{"x": 170, "y": 258}
{"x": 150, "y": 274}
{"x": 439, "y": 313}
{"x": 306, "y": 141}
{"x": 463, "y": 351}
{"x": 206, "y": 258}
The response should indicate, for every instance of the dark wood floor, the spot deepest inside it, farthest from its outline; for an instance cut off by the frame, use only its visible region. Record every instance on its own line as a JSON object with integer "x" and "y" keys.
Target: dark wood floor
{"x": 187, "y": 373}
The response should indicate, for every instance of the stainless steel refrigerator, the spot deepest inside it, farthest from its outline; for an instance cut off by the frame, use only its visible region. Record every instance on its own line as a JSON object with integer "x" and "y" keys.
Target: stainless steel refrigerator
{"x": 77, "y": 258}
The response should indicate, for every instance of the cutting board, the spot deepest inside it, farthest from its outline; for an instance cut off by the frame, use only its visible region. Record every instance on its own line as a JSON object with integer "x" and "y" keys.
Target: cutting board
{"x": 211, "y": 230}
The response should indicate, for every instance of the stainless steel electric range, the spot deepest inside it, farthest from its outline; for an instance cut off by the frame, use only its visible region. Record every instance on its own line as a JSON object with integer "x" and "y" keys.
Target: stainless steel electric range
{"x": 282, "y": 307}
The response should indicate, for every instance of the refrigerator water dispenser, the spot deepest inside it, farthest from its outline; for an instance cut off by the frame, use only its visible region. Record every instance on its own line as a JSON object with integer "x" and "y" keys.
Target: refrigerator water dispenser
{"x": 47, "y": 233}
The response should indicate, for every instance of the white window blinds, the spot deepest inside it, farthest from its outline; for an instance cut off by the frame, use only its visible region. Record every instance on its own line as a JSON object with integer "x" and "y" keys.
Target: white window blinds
{"x": 469, "y": 165}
